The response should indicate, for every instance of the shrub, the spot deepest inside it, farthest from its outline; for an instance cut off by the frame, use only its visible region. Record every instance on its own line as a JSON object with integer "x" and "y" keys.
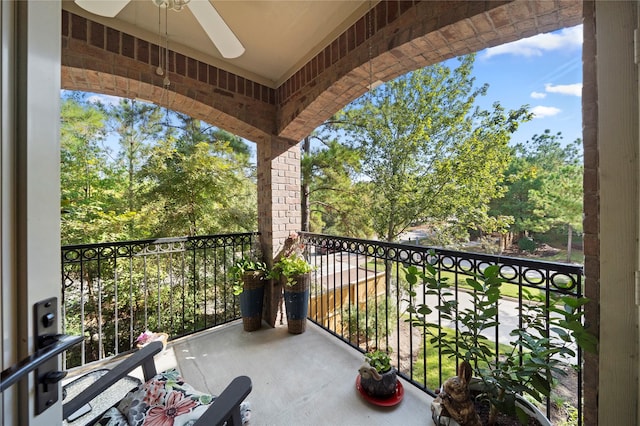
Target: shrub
{"x": 364, "y": 327}
{"x": 527, "y": 244}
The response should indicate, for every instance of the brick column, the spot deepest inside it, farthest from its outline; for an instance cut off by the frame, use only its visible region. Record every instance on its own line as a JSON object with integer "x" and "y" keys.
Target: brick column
{"x": 278, "y": 205}
{"x": 591, "y": 220}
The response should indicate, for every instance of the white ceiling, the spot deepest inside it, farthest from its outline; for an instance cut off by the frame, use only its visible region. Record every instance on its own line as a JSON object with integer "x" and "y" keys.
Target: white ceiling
{"x": 278, "y": 36}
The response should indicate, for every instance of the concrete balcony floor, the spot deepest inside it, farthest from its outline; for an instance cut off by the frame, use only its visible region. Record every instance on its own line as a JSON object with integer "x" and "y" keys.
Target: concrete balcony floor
{"x": 305, "y": 379}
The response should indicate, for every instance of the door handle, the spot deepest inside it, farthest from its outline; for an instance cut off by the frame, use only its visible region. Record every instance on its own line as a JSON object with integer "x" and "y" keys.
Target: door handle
{"x": 16, "y": 372}
{"x": 49, "y": 344}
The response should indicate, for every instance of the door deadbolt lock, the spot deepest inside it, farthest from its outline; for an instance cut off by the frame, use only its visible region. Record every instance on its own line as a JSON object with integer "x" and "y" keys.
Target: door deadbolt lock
{"x": 48, "y": 319}
{"x": 46, "y": 333}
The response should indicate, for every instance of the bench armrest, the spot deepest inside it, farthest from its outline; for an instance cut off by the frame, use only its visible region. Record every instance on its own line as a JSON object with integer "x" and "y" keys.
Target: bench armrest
{"x": 226, "y": 407}
{"x": 141, "y": 358}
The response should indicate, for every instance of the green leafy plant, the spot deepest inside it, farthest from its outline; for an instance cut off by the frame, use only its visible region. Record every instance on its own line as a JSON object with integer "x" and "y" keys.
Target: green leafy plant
{"x": 548, "y": 333}
{"x": 378, "y": 359}
{"x": 243, "y": 266}
{"x": 290, "y": 267}
{"x": 362, "y": 326}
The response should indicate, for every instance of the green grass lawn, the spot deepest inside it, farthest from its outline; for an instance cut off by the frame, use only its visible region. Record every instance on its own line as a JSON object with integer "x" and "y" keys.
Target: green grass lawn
{"x": 577, "y": 256}
{"x": 430, "y": 368}
{"x": 507, "y": 289}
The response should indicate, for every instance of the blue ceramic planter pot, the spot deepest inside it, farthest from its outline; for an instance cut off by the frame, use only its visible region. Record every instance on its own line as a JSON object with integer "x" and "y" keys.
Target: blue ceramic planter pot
{"x": 251, "y": 300}
{"x": 296, "y": 302}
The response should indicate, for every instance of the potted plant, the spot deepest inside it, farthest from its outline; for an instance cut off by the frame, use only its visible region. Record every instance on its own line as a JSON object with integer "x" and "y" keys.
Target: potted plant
{"x": 378, "y": 378}
{"x": 547, "y": 336}
{"x": 293, "y": 272}
{"x": 249, "y": 278}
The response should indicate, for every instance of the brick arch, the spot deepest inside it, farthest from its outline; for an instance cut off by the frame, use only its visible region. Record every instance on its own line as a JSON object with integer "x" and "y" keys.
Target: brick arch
{"x": 392, "y": 39}
{"x": 203, "y": 108}
{"x": 397, "y": 37}
{"x": 99, "y": 59}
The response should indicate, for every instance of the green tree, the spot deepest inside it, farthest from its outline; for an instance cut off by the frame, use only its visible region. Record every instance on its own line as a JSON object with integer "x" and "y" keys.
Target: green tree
{"x": 196, "y": 184}
{"x": 331, "y": 201}
{"x": 544, "y": 187}
{"x": 138, "y": 126}
{"x": 89, "y": 182}
{"x": 427, "y": 154}
{"x": 163, "y": 179}
{"x": 559, "y": 200}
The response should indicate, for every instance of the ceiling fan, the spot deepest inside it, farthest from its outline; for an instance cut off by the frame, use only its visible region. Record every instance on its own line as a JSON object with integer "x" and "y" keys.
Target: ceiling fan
{"x": 208, "y": 17}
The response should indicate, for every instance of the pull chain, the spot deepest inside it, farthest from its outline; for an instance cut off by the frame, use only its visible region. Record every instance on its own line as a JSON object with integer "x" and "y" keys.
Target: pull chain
{"x": 166, "y": 48}
{"x": 159, "y": 70}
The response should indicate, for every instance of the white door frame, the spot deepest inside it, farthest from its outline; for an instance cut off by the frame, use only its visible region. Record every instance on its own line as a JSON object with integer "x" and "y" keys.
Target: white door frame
{"x": 30, "y": 187}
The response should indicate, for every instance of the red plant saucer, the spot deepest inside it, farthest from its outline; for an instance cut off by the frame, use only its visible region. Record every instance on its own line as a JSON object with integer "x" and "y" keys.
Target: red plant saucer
{"x": 383, "y": 402}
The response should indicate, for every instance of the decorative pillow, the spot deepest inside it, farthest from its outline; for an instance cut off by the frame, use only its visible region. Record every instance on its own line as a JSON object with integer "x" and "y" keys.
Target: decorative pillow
{"x": 163, "y": 400}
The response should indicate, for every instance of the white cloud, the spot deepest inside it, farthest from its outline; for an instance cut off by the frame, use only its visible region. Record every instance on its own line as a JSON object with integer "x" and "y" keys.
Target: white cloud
{"x": 538, "y": 95}
{"x": 564, "y": 39}
{"x": 104, "y": 99}
{"x": 564, "y": 89}
{"x": 544, "y": 111}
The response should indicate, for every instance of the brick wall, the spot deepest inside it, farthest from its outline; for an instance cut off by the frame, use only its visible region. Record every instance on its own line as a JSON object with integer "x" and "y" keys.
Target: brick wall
{"x": 591, "y": 207}
{"x": 99, "y": 59}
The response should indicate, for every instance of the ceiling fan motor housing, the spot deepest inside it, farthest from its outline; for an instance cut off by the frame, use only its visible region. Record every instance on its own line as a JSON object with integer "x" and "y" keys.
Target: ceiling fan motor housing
{"x": 176, "y": 5}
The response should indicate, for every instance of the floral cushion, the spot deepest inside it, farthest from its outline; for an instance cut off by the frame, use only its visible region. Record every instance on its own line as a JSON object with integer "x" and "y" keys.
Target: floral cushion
{"x": 113, "y": 417}
{"x": 164, "y": 400}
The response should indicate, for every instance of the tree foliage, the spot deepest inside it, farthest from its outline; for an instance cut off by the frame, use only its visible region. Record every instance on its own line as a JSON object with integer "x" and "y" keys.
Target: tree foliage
{"x": 544, "y": 186}
{"x": 137, "y": 125}
{"x": 197, "y": 185}
{"x": 90, "y": 196}
{"x": 128, "y": 171}
{"x": 335, "y": 205}
{"x": 427, "y": 154}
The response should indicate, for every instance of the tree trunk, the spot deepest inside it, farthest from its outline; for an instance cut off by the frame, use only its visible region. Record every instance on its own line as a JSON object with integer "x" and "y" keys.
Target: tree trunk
{"x": 304, "y": 193}
{"x": 506, "y": 240}
{"x": 569, "y": 242}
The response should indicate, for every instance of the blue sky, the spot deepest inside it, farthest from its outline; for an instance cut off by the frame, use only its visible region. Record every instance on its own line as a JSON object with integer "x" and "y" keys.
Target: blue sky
{"x": 544, "y": 72}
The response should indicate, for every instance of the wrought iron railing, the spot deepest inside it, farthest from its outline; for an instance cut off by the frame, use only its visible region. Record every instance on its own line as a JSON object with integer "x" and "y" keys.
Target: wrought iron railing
{"x": 112, "y": 292}
{"x": 359, "y": 294}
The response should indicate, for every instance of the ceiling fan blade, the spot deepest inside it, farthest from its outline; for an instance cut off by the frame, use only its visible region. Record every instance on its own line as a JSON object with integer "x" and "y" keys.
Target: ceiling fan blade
{"x": 107, "y": 8}
{"x": 215, "y": 27}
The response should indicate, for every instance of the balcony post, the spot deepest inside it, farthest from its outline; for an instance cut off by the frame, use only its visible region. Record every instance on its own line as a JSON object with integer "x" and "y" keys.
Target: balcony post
{"x": 610, "y": 130}
{"x": 278, "y": 206}
{"x": 591, "y": 206}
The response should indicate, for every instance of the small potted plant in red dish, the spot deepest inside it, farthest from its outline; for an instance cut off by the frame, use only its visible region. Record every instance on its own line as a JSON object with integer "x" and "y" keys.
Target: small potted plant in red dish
{"x": 378, "y": 378}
